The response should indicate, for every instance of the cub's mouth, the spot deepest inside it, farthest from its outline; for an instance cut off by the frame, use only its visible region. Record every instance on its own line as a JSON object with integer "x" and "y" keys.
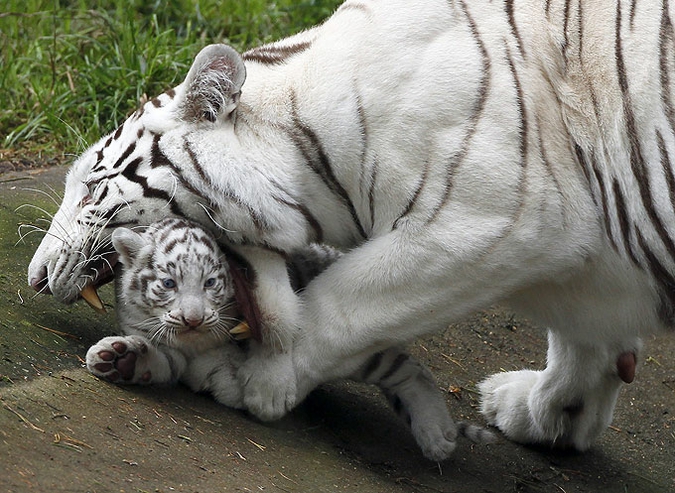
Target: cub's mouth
{"x": 104, "y": 272}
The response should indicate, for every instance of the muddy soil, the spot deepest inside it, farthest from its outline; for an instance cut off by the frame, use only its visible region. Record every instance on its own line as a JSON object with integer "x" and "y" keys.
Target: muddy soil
{"x": 63, "y": 430}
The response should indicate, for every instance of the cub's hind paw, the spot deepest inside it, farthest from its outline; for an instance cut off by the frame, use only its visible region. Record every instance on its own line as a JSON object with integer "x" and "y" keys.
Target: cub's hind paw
{"x": 117, "y": 359}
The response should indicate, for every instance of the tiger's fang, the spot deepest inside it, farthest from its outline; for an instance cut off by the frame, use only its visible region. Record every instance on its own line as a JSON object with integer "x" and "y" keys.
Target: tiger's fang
{"x": 241, "y": 331}
{"x": 92, "y": 298}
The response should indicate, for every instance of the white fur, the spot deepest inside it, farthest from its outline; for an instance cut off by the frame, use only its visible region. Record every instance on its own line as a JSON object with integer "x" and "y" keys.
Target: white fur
{"x": 444, "y": 102}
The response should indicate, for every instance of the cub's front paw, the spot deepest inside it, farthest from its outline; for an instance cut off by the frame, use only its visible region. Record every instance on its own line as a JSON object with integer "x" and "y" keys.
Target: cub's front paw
{"x": 269, "y": 385}
{"x": 120, "y": 360}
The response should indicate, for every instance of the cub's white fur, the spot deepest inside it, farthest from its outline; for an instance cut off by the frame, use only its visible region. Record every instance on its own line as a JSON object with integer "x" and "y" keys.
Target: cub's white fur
{"x": 466, "y": 153}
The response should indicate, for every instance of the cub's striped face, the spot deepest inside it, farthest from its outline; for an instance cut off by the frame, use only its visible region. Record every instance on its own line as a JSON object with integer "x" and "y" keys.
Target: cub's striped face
{"x": 128, "y": 179}
{"x": 174, "y": 288}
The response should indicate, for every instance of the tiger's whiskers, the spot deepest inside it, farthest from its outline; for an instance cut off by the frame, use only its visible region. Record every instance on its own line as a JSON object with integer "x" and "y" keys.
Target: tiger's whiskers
{"x": 209, "y": 213}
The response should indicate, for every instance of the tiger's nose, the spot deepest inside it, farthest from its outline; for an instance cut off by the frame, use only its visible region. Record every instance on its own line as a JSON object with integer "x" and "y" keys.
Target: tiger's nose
{"x": 193, "y": 322}
{"x": 40, "y": 281}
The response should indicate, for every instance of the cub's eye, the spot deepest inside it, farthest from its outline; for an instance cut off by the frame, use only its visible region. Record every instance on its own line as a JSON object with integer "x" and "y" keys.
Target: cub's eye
{"x": 168, "y": 283}
{"x": 210, "y": 282}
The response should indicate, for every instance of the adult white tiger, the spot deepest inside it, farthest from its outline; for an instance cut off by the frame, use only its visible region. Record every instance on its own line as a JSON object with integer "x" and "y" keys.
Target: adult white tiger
{"x": 469, "y": 152}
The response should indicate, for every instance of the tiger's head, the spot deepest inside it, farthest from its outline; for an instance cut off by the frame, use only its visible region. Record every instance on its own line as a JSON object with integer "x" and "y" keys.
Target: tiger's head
{"x": 137, "y": 175}
{"x": 175, "y": 287}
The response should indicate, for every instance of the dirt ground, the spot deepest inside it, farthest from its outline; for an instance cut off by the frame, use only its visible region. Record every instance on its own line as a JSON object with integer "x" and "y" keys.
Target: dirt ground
{"x": 63, "y": 430}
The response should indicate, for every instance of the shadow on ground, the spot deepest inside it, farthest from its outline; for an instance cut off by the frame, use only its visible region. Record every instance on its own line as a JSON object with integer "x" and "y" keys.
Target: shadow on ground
{"x": 63, "y": 430}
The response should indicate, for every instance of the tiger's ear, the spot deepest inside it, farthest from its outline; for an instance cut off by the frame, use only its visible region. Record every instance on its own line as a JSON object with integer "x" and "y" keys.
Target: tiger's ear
{"x": 213, "y": 84}
{"x": 128, "y": 244}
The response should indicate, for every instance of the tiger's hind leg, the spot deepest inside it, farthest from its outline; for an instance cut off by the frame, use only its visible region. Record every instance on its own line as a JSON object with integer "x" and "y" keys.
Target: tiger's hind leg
{"x": 414, "y": 395}
{"x": 596, "y": 320}
{"x": 566, "y": 405}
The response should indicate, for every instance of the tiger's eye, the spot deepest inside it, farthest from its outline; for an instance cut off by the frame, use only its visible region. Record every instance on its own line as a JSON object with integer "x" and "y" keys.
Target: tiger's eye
{"x": 210, "y": 282}
{"x": 86, "y": 200}
{"x": 168, "y": 283}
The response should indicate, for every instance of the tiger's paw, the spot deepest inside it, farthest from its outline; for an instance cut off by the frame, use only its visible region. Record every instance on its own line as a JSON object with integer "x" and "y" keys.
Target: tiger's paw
{"x": 120, "y": 360}
{"x": 437, "y": 438}
{"x": 437, "y": 442}
{"x": 269, "y": 386}
{"x": 504, "y": 403}
{"x": 551, "y": 408}
{"x": 534, "y": 407}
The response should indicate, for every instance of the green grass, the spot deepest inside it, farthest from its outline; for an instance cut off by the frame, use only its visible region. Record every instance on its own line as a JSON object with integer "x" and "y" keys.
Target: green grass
{"x": 71, "y": 70}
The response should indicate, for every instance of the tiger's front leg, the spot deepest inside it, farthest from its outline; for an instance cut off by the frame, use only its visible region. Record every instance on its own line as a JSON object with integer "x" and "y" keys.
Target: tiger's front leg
{"x": 388, "y": 291}
{"x": 134, "y": 360}
{"x": 570, "y": 402}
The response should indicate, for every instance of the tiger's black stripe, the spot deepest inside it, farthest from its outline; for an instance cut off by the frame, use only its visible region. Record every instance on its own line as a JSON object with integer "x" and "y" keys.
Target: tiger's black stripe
{"x": 566, "y": 23}
{"x": 158, "y": 159}
{"x": 511, "y": 16}
{"x": 415, "y": 195}
{"x": 632, "y": 13}
{"x": 524, "y": 127}
{"x": 666, "y": 165}
{"x": 523, "y": 130}
{"x": 637, "y": 160}
{"x": 129, "y": 150}
{"x": 291, "y": 202}
{"x": 309, "y": 145}
{"x": 580, "y": 30}
{"x": 604, "y": 199}
{"x": 663, "y": 277}
{"x": 275, "y": 55}
{"x": 130, "y": 173}
{"x": 312, "y": 221}
{"x": 371, "y": 192}
{"x": 483, "y": 91}
{"x": 257, "y": 218}
{"x": 583, "y": 163}
{"x": 354, "y": 6}
{"x": 373, "y": 364}
{"x": 622, "y": 214}
{"x": 394, "y": 367}
{"x": 119, "y": 130}
{"x": 550, "y": 168}
{"x": 370, "y": 180}
{"x": 666, "y": 35}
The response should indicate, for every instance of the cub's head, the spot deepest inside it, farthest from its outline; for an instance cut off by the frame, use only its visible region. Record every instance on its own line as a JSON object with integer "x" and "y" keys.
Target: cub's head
{"x": 144, "y": 171}
{"x": 174, "y": 285}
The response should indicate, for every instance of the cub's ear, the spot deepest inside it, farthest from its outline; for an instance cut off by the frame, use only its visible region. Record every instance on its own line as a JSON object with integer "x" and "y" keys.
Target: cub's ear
{"x": 128, "y": 244}
{"x": 213, "y": 84}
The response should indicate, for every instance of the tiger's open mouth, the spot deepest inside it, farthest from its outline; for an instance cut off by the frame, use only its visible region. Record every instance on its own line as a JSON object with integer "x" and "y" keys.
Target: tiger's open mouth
{"x": 104, "y": 273}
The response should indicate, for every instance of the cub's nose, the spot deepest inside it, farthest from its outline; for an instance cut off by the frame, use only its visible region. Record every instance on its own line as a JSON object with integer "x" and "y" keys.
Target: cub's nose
{"x": 39, "y": 281}
{"x": 193, "y": 322}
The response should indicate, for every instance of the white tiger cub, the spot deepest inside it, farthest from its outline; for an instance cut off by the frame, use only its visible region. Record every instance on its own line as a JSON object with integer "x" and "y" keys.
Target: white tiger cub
{"x": 177, "y": 305}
